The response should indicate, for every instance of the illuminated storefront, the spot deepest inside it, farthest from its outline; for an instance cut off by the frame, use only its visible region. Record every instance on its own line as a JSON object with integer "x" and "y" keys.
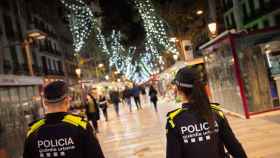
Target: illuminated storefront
{"x": 243, "y": 70}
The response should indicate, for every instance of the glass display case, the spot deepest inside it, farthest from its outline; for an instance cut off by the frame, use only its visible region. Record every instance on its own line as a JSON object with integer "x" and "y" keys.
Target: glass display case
{"x": 223, "y": 85}
{"x": 243, "y": 70}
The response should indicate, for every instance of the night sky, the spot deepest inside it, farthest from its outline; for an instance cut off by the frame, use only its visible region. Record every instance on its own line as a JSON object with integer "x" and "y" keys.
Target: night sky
{"x": 122, "y": 15}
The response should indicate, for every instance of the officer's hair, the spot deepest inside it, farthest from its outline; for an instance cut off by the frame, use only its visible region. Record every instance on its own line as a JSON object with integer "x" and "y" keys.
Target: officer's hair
{"x": 197, "y": 97}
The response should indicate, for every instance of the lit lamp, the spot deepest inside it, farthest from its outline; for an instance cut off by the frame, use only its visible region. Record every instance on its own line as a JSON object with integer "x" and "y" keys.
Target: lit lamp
{"x": 30, "y": 36}
{"x": 107, "y": 77}
{"x": 175, "y": 57}
{"x": 101, "y": 65}
{"x": 212, "y": 28}
{"x": 199, "y": 12}
{"x": 173, "y": 39}
{"x": 119, "y": 80}
{"x": 78, "y": 72}
{"x": 36, "y": 34}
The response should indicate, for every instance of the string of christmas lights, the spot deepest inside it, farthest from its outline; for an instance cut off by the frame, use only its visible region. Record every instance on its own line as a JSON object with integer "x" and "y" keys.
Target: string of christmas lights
{"x": 156, "y": 33}
{"x": 80, "y": 22}
{"x": 139, "y": 68}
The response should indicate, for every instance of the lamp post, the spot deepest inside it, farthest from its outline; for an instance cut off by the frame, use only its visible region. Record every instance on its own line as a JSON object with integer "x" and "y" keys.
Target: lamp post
{"x": 78, "y": 72}
{"x": 31, "y": 35}
{"x": 212, "y": 26}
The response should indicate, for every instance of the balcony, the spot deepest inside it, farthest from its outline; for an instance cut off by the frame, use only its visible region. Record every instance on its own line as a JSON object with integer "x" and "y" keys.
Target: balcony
{"x": 265, "y": 9}
{"x": 53, "y": 72}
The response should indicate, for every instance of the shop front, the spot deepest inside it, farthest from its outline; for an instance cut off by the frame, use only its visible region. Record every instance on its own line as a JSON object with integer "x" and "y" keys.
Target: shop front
{"x": 243, "y": 70}
{"x": 20, "y": 103}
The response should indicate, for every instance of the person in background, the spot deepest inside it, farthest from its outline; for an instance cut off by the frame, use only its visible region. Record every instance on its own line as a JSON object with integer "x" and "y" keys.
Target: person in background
{"x": 115, "y": 98}
{"x": 153, "y": 96}
{"x": 103, "y": 105}
{"x": 143, "y": 93}
{"x": 127, "y": 97}
{"x": 136, "y": 95}
{"x": 199, "y": 129}
{"x": 92, "y": 111}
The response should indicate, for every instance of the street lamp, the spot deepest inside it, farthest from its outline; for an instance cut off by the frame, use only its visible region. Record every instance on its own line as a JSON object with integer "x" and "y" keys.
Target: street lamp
{"x": 78, "y": 72}
{"x": 107, "y": 77}
{"x": 199, "y": 12}
{"x": 175, "y": 57}
{"x": 173, "y": 39}
{"x": 212, "y": 26}
{"x": 31, "y": 35}
{"x": 101, "y": 65}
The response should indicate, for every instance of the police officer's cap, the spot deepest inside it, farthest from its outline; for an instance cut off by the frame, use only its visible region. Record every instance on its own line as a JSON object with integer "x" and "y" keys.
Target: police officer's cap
{"x": 185, "y": 77}
{"x": 55, "y": 91}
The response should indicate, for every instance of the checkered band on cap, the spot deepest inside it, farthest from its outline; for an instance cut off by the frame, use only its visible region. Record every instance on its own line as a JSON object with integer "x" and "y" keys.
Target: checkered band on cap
{"x": 186, "y": 85}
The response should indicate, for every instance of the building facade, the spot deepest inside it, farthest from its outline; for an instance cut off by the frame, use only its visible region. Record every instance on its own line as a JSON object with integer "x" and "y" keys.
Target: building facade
{"x": 251, "y": 14}
{"x": 52, "y": 58}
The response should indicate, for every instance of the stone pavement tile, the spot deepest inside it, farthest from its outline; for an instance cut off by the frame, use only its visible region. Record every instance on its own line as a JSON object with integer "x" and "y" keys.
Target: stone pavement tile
{"x": 141, "y": 134}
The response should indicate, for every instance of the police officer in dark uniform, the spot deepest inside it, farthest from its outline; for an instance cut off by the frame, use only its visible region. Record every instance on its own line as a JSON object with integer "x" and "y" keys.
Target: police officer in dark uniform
{"x": 60, "y": 134}
{"x": 198, "y": 129}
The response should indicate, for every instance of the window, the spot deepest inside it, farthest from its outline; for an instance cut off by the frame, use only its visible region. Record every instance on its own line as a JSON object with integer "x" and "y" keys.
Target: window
{"x": 244, "y": 10}
{"x": 23, "y": 94}
{"x": 54, "y": 65}
{"x": 252, "y": 7}
{"x": 14, "y": 95}
{"x": 49, "y": 64}
{"x": 30, "y": 92}
{"x": 277, "y": 20}
{"x": 233, "y": 24}
{"x": 60, "y": 69}
{"x": 266, "y": 23}
{"x": 10, "y": 34}
{"x": 4, "y": 95}
{"x": 36, "y": 90}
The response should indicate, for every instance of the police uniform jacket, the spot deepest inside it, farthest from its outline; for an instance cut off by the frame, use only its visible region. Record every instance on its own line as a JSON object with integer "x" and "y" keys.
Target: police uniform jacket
{"x": 61, "y": 135}
{"x": 189, "y": 136}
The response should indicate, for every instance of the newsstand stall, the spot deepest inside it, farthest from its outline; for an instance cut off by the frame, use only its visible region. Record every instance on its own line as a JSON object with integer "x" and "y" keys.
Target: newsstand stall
{"x": 243, "y": 70}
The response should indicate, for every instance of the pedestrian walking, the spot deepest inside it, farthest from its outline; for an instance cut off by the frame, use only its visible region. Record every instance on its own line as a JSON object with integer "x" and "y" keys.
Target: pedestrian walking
{"x": 127, "y": 97}
{"x": 60, "y": 134}
{"x": 115, "y": 98}
{"x": 143, "y": 93}
{"x": 136, "y": 95}
{"x": 153, "y": 96}
{"x": 198, "y": 129}
{"x": 103, "y": 105}
{"x": 92, "y": 111}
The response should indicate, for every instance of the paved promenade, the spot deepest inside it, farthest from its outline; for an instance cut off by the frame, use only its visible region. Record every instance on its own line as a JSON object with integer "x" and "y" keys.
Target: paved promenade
{"x": 141, "y": 134}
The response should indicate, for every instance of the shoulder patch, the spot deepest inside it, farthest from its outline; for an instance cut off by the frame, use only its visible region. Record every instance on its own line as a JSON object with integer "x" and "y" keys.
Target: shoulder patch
{"x": 215, "y": 107}
{"x": 35, "y": 126}
{"x": 218, "y": 109}
{"x": 75, "y": 120}
{"x": 173, "y": 114}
